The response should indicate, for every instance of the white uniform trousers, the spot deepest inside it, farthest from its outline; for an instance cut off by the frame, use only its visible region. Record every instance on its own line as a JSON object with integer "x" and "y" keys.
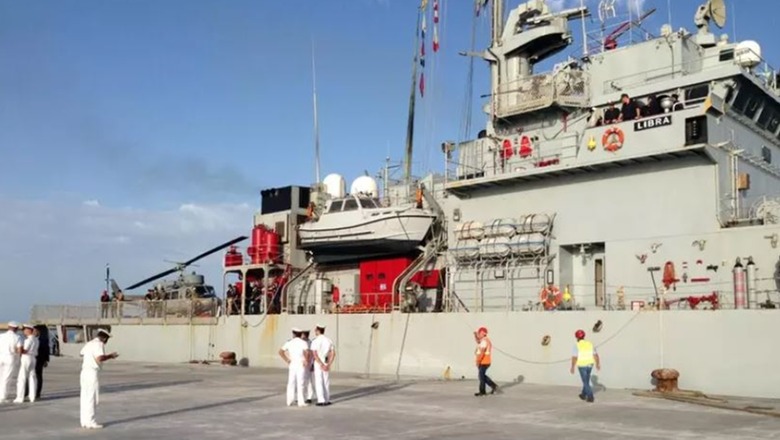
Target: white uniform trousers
{"x": 295, "y": 378}
{"x": 307, "y": 381}
{"x": 322, "y": 384}
{"x": 6, "y": 373}
{"x": 90, "y": 396}
{"x": 26, "y": 376}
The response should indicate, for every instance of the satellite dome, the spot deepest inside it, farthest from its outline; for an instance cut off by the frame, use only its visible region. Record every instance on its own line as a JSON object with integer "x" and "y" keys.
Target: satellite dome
{"x": 365, "y": 185}
{"x": 335, "y": 185}
{"x": 748, "y": 54}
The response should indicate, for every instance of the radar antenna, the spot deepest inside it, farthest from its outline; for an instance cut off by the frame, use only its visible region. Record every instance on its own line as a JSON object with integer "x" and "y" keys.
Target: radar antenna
{"x": 714, "y": 10}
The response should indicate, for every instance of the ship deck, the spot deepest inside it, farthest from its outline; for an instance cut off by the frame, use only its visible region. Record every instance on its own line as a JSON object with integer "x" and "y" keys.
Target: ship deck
{"x": 214, "y": 402}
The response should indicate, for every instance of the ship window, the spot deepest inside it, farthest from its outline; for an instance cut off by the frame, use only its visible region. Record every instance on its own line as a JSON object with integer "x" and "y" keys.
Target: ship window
{"x": 697, "y": 92}
{"x": 336, "y": 206}
{"x": 745, "y": 92}
{"x": 726, "y": 55}
{"x": 774, "y": 120}
{"x": 350, "y": 205}
{"x": 766, "y": 154}
{"x": 753, "y": 105}
{"x": 367, "y": 203}
{"x": 766, "y": 113}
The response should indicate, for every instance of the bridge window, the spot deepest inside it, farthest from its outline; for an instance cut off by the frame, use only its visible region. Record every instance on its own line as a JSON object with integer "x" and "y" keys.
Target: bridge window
{"x": 754, "y": 103}
{"x": 766, "y": 154}
{"x": 350, "y": 205}
{"x": 744, "y": 94}
{"x": 336, "y": 206}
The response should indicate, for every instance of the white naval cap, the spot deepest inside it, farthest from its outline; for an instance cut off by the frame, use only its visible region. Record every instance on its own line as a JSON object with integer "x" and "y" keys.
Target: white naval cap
{"x": 104, "y": 331}
{"x": 29, "y": 326}
{"x": 13, "y": 324}
{"x": 296, "y": 330}
{"x": 320, "y": 326}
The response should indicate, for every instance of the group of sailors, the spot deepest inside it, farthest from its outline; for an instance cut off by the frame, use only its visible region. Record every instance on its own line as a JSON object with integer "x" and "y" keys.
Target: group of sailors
{"x": 632, "y": 109}
{"x": 112, "y": 304}
{"x": 23, "y": 357}
{"x": 257, "y": 299}
{"x": 308, "y": 363}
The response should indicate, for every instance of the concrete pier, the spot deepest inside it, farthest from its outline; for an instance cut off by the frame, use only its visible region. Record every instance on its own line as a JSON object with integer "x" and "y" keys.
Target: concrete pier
{"x": 172, "y": 401}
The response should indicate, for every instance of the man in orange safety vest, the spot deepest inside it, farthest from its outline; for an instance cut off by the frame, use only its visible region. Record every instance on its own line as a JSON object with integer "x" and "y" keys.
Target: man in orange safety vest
{"x": 484, "y": 357}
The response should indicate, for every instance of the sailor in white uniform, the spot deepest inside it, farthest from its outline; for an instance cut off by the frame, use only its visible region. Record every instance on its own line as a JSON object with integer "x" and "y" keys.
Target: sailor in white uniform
{"x": 29, "y": 353}
{"x": 323, "y": 353}
{"x": 94, "y": 354}
{"x": 10, "y": 349}
{"x": 308, "y": 387}
{"x": 295, "y": 353}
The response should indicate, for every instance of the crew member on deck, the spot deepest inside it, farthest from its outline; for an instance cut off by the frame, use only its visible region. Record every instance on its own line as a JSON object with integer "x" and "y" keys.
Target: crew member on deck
{"x": 94, "y": 354}
{"x": 584, "y": 356}
{"x": 612, "y": 114}
{"x": 42, "y": 360}
{"x": 10, "y": 348}
{"x": 630, "y": 109}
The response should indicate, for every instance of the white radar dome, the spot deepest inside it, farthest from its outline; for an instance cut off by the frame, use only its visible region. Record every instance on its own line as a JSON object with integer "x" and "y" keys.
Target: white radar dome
{"x": 748, "y": 54}
{"x": 365, "y": 185}
{"x": 335, "y": 185}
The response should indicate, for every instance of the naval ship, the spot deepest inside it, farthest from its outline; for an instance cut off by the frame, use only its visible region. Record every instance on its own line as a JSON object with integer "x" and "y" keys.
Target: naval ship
{"x": 629, "y": 191}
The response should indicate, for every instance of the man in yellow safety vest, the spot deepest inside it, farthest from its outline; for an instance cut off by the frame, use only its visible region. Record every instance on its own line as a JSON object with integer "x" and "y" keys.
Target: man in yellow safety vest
{"x": 584, "y": 357}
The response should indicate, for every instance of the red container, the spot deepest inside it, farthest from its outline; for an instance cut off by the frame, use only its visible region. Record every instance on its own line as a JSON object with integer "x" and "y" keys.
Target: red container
{"x": 233, "y": 257}
{"x": 271, "y": 246}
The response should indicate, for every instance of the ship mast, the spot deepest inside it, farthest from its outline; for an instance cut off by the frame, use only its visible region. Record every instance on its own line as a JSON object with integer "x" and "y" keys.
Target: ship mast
{"x": 412, "y": 96}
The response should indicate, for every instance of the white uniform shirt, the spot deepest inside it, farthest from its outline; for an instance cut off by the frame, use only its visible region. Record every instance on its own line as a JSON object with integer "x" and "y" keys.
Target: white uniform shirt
{"x": 31, "y": 346}
{"x": 8, "y": 343}
{"x": 322, "y": 345}
{"x": 296, "y": 348}
{"x": 91, "y": 351}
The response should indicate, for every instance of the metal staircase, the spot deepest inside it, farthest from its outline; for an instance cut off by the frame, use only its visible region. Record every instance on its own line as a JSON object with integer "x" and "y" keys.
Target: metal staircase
{"x": 293, "y": 281}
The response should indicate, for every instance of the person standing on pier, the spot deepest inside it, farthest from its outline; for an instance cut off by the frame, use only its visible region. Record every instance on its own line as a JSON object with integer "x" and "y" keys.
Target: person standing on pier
{"x": 484, "y": 358}
{"x": 10, "y": 348}
{"x": 323, "y": 353}
{"x": 584, "y": 357}
{"x": 94, "y": 354}
{"x": 295, "y": 353}
{"x": 29, "y": 354}
{"x": 308, "y": 386}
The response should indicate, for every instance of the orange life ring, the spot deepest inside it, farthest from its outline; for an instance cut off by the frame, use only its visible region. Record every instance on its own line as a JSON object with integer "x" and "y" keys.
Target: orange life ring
{"x": 550, "y": 297}
{"x": 608, "y": 141}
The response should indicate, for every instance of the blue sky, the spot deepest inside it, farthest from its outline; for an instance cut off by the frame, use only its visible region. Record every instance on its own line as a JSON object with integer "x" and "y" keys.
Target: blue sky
{"x": 143, "y": 130}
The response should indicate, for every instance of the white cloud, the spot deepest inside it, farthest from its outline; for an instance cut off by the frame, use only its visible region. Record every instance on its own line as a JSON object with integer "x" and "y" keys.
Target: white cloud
{"x": 56, "y": 252}
{"x": 91, "y": 203}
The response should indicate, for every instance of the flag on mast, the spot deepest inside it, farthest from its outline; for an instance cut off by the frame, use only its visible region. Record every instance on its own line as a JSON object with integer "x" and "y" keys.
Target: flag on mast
{"x": 435, "y": 25}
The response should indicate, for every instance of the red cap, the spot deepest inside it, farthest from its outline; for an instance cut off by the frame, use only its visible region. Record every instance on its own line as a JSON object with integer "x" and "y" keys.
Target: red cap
{"x": 579, "y": 334}
{"x": 482, "y": 329}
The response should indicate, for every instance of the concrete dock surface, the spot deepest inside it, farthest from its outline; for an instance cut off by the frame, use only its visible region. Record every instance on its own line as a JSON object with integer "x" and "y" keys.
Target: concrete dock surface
{"x": 215, "y": 402}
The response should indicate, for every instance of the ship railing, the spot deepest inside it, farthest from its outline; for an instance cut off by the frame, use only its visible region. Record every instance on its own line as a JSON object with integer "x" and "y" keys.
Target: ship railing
{"x": 763, "y": 72}
{"x": 566, "y": 87}
{"x": 485, "y": 157}
{"x": 140, "y": 312}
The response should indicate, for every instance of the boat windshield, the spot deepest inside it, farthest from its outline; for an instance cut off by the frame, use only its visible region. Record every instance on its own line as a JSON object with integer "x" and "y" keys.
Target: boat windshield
{"x": 368, "y": 203}
{"x": 350, "y": 205}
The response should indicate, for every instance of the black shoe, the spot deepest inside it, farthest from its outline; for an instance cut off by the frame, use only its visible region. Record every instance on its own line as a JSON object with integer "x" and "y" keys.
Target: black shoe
{"x": 321, "y": 404}
{"x": 582, "y": 397}
{"x": 496, "y": 390}
{"x": 590, "y": 399}
{"x": 480, "y": 394}
{"x": 327, "y": 403}
{"x": 308, "y": 400}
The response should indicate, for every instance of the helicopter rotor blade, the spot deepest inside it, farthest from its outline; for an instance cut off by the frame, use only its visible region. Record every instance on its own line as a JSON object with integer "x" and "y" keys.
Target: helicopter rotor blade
{"x": 181, "y": 265}
{"x": 216, "y": 249}
{"x": 152, "y": 278}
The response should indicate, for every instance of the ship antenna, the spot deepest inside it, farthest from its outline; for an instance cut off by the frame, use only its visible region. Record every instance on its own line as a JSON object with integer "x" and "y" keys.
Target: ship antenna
{"x": 316, "y": 121}
{"x": 669, "y": 11}
{"x": 584, "y": 31}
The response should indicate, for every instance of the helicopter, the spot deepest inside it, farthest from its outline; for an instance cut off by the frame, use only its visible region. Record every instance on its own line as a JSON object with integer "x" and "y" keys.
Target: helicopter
{"x": 188, "y": 293}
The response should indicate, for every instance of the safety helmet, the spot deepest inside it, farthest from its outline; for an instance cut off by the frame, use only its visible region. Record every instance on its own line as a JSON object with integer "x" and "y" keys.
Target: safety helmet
{"x": 482, "y": 329}
{"x": 579, "y": 334}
